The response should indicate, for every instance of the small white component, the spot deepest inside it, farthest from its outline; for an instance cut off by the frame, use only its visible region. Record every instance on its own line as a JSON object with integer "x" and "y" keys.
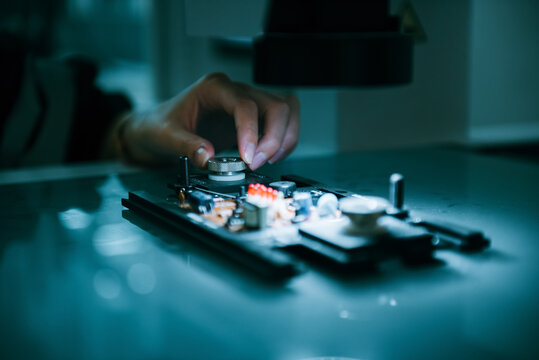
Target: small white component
{"x": 327, "y": 205}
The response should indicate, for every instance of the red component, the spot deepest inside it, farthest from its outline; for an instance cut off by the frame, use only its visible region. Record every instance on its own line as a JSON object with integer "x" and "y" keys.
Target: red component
{"x": 262, "y": 191}
{"x": 266, "y": 193}
{"x": 269, "y": 193}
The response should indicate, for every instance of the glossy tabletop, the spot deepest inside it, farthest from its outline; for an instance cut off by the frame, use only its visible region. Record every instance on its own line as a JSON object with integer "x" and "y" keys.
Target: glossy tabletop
{"x": 81, "y": 278}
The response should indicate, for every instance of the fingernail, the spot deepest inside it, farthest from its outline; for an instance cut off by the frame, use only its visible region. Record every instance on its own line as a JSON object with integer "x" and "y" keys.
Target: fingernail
{"x": 259, "y": 160}
{"x": 278, "y": 155}
{"x": 249, "y": 152}
{"x": 202, "y": 156}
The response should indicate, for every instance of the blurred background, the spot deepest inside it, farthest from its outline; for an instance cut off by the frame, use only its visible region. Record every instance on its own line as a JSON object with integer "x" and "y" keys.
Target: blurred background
{"x": 475, "y": 78}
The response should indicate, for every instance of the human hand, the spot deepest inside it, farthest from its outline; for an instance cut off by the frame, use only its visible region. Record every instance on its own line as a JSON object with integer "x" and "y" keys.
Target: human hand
{"x": 160, "y": 135}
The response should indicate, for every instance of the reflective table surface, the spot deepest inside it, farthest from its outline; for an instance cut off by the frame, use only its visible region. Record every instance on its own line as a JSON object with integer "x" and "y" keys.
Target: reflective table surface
{"x": 82, "y": 278}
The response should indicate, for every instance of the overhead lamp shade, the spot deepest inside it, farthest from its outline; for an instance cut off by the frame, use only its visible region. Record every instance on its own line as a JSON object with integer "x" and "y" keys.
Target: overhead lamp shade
{"x": 332, "y": 43}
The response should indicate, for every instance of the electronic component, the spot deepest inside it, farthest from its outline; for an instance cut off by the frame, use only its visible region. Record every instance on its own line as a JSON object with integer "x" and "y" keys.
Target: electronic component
{"x": 259, "y": 207}
{"x": 256, "y": 215}
{"x": 327, "y": 205}
{"x": 303, "y": 203}
{"x": 200, "y": 201}
{"x": 286, "y": 187}
{"x": 238, "y": 210}
{"x": 259, "y": 193}
{"x": 235, "y": 222}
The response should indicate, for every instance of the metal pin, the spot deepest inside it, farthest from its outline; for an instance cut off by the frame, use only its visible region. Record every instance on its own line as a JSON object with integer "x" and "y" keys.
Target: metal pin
{"x": 183, "y": 176}
{"x": 396, "y": 191}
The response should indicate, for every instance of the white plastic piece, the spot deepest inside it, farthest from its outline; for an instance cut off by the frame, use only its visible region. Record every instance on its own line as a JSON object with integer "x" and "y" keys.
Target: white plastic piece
{"x": 327, "y": 205}
{"x": 233, "y": 177}
{"x": 364, "y": 211}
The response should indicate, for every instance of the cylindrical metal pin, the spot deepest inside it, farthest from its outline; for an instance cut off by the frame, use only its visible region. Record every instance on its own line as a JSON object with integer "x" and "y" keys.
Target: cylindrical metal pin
{"x": 183, "y": 176}
{"x": 396, "y": 190}
{"x": 243, "y": 191}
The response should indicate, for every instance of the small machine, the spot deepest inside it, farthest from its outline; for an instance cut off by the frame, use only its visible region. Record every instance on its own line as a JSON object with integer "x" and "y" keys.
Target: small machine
{"x": 271, "y": 226}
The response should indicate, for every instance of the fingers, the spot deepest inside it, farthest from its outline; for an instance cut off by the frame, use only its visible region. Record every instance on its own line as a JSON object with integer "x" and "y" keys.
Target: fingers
{"x": 246, "y": 105}
{"x": 281, "y": 128}
{"x": 276, "y": 114}
{"x": 161, "y": 134}
{"x": 246, "y": 118}
{"x": 291, "y": 136}
{"x": 216, "y": 91}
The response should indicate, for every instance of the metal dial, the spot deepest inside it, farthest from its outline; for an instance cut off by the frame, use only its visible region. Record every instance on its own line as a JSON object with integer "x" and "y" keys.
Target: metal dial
{"x": 226, "y": 164}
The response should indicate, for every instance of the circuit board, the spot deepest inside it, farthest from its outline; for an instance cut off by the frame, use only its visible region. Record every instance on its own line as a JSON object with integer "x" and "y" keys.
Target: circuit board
{"x": 274, "y": 226}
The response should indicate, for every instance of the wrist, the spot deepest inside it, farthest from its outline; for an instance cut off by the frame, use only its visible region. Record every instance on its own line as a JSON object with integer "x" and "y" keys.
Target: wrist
{"x": 116, "y": 145}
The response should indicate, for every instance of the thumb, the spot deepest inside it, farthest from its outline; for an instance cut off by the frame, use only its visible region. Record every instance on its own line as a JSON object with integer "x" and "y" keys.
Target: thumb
{"x": 198, "y": 149}
{"x": 149, "y": 144}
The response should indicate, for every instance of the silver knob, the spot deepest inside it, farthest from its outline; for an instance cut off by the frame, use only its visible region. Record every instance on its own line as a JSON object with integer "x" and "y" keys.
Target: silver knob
{"x": 226, "y": 169}
{"x": 226, "y": 164}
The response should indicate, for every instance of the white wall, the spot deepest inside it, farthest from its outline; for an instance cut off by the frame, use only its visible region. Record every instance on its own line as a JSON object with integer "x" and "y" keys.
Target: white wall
{"x": 504, "y": 71}
{"x": 433, "y": 109}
